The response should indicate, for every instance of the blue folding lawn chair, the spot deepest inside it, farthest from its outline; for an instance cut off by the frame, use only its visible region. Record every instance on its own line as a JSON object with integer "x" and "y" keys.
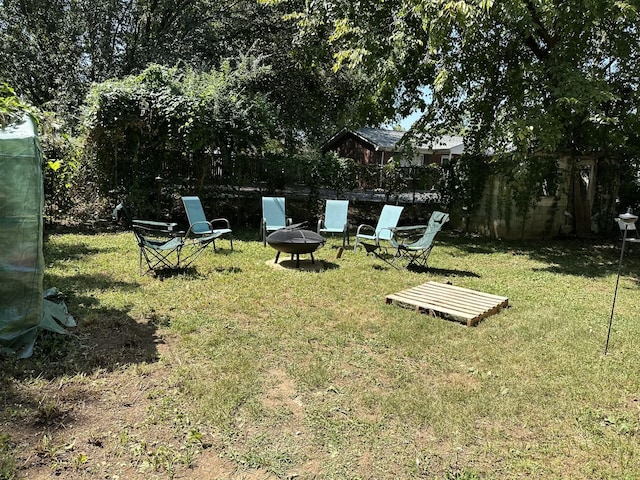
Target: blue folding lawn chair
{"x": 273, "y": 216}
{"x": 389, "y": 218}
{"x": 417, "y": 251}
{"x": 335, "y": 219}
{"x": 201, "y": 230}
{"x": 159, "y": 246}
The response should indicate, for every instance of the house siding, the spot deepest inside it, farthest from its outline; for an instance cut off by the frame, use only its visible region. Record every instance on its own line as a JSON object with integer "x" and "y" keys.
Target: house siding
{"x": 360, "y": 152}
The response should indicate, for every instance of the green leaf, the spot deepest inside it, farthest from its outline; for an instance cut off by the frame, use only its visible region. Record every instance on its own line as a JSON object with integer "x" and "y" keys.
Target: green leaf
{"x": 54, "y": 165}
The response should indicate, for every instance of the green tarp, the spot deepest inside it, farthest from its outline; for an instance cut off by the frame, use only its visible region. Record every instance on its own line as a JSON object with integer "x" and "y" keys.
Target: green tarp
{"x": 23, "y": 308}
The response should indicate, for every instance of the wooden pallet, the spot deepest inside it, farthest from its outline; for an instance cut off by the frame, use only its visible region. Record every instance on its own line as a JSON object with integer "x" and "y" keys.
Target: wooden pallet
{"x": 456, "y": 303}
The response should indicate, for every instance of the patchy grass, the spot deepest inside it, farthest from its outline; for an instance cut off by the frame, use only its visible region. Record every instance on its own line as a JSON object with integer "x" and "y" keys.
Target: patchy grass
{"x": 236, "y": 369}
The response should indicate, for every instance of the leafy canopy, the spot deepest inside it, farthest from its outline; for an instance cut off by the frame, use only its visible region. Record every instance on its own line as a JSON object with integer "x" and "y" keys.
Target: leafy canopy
{"x": 526, "y": 74}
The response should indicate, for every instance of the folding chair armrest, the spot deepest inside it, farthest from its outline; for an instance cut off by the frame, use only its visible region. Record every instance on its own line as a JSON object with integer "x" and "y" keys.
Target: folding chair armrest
{"x": 407, "y": 229}
{"x": 153, "y": 226}
{"x": 289, "y": 221}
{"x": 320, "y": 224}
{"x": 364, "y": 226}
{"x": 191, "y": 232}
{"x": 402, "y": 236}
{"x": 221, "y": 220}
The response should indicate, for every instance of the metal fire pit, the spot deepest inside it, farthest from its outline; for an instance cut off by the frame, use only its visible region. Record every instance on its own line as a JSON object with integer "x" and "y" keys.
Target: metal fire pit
{"x": 295, "y": 242}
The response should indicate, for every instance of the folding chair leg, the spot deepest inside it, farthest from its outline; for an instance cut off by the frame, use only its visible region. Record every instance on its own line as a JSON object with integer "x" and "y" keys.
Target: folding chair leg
{"x": 345, "y": 240}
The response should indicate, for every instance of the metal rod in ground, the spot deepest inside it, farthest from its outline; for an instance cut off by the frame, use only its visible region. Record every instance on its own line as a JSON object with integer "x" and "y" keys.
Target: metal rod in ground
{"x": 615, "y": 292}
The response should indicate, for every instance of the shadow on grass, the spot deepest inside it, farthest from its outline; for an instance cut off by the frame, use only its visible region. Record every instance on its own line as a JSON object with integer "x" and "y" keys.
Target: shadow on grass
{"x": 190, "y": 272}
{"x": 290, "y": 263}
{"x": 580, "y": 257}
{"x": 385, "y": 262}
{"x": 45, "y": 390}
{"x": 70, "y": 285}
{"x": 164, "y": 273}
{"x": 56, "y": 253}
{"x": 225, "y": 252}
{"x": 445, "y": 272}
{"x": 105, "y": 340}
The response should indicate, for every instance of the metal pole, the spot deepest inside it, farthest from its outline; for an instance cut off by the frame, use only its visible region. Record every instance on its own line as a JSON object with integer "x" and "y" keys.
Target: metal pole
{"x": 158, "y": 194}
{"x": 615, "y": 293}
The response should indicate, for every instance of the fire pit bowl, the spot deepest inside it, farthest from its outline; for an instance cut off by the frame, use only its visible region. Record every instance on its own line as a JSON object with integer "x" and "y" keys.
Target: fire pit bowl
{"x": 295, "y": 242}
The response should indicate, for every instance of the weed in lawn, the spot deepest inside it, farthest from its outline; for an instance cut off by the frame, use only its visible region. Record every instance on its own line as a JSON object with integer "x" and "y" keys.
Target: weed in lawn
{"x": 263, "y": 453}
{"x": 53, "y": 451}
{"x": 8, "y": 469}
{"x": 48, "y": 410}
{"x": 79, "y": 461}
{"x": 461, "y": 475}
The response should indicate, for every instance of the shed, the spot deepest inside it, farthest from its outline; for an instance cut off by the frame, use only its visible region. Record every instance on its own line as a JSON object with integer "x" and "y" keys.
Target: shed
{"x": 376, "y": 146}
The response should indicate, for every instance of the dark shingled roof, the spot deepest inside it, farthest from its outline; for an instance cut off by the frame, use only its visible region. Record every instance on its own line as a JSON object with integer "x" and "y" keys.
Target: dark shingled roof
{"x": 387, "y": 140}
{"x": 384, "y": 139}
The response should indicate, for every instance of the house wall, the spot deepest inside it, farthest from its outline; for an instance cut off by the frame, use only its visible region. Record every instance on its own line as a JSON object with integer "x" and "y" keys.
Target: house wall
{"x": 361, "y": 153}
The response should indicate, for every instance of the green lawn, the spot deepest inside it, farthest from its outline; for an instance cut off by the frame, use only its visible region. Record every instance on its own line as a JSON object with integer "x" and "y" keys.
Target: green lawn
{"x": 295, "y": 374}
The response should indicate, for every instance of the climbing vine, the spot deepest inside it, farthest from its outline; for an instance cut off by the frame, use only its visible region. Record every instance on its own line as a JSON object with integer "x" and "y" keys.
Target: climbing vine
{"x": 463, "y": 181}
{"x": 177, "y": 125}
{"x": 529, "y": 178}
{"x": 12, "y": 108}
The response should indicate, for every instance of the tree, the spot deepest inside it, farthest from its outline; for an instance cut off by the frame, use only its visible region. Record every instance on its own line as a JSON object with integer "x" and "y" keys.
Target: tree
{"x": 12, "y": 108}
{"x": 53, "y": 50}
{"x": 337, "y": 173}
{"x": 39, "y": 53}
{"x": 521, "y": 73}
{"x": 178, "y": 124}
{"x": 520, "y": 77}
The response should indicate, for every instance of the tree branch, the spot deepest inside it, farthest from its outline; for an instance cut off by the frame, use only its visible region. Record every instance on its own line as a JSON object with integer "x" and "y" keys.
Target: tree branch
{"x": 540, "y": 31}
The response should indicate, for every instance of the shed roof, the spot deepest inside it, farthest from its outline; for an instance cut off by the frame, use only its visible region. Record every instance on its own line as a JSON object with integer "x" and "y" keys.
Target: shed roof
{"x": 387, "y": 140}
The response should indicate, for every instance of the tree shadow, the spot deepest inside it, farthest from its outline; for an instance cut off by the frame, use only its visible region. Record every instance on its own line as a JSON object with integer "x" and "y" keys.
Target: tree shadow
{"x": 105, "y": 340}
{"x": 190, "y": 272}
{"x": 444, "y": 272}
{"x": 70, "y": 285}
{"x": 34, "y": 391}
{"x": 55, "y": 254}
{"x": 592, "y": 258}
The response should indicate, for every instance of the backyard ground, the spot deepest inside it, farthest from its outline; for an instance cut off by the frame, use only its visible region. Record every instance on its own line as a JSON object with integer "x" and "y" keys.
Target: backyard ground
{"x": 237, "y": 370}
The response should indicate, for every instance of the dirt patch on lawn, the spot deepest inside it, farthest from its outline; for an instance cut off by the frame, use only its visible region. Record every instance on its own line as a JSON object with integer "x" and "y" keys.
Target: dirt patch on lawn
{"x": 100, "y": 404}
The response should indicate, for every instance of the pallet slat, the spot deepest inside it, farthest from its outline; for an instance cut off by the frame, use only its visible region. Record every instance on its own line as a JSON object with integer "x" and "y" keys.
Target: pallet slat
{"x": 461, "y": 304}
